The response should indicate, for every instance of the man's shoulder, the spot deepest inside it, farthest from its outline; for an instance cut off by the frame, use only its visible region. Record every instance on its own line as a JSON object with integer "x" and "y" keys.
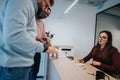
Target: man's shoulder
{"x": 21, "y": 3}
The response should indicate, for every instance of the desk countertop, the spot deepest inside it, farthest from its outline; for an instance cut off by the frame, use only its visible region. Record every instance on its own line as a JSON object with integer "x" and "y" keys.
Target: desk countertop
{"x": 70, "y": 70}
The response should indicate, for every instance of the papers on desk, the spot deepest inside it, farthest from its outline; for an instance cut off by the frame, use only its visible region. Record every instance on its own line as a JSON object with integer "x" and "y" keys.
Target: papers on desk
{"x": 61, "y": 56}
{"x": 81, "y": 65}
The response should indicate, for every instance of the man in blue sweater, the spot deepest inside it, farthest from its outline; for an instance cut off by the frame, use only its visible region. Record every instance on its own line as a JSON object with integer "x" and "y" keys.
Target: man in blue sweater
{"x": 42, "y": 37}
{"x": 17, "y": 38}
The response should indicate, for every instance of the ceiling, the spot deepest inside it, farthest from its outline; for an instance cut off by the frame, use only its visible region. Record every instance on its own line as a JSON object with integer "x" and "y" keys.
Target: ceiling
{"x": 114, "y": 10}
{"x": 91, "y": 2}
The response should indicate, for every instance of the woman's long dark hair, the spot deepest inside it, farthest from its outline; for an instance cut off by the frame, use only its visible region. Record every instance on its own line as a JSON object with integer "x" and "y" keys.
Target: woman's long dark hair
{"x": 107, "y": 46}
{"x": 109, "y": 34}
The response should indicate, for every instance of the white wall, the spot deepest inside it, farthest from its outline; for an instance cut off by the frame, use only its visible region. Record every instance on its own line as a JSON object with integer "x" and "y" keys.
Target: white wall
{"x": 76, "y": 28}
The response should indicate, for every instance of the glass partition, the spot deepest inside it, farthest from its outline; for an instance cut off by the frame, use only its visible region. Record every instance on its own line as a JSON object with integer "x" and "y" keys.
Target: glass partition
{"x": 109, "y": 20}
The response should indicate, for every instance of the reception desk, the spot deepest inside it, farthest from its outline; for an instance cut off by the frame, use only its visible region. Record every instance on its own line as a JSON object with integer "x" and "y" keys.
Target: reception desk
{"x": 66, "y": 69}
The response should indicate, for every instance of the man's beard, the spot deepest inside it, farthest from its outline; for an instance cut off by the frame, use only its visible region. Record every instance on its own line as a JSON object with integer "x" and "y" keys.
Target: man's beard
{"x": 41, "y": 14}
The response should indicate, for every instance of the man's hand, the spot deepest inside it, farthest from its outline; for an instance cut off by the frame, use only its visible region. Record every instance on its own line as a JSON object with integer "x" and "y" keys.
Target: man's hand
{"x": 52, "y": 50}
{"x": 47, "y": 41}
{"x": 43, "y": 40}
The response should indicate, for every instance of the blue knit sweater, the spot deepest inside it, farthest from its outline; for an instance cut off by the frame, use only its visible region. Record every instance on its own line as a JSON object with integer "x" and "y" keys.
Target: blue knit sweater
{"x": 17, "y": 33}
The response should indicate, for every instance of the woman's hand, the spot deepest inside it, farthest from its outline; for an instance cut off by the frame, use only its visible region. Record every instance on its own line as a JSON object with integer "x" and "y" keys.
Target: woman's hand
{"x": 79, "y": 60}
{"x": 96, "y": 63}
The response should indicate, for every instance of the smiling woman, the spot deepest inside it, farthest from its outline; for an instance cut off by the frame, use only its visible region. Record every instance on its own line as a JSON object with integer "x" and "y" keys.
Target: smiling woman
{"x": 109, "y": 20}
{"x": 103, "y": 39}
{"x": 104, "y": 54}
